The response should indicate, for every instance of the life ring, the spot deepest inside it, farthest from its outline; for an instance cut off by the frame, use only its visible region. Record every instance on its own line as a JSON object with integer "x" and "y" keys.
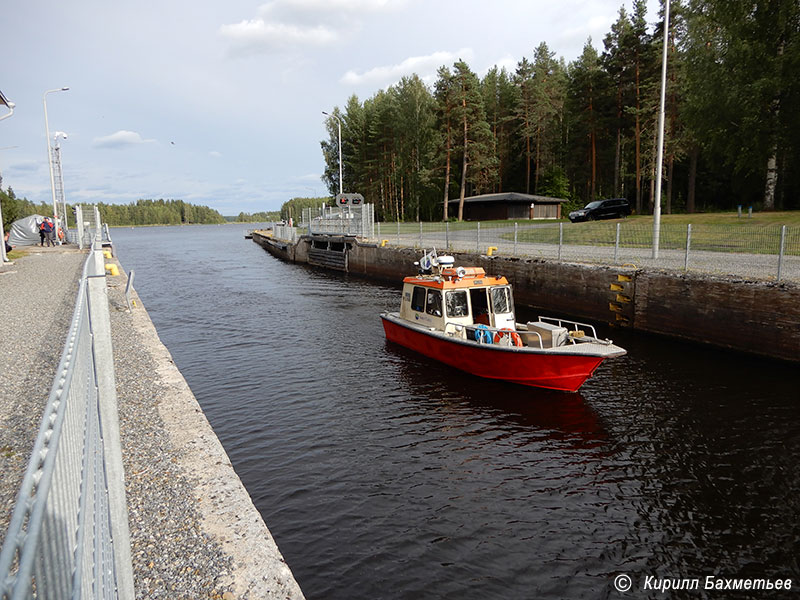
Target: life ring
{"x": 506, "y": 331}
{"x": 483, "y": 335}
{"x": 60, "y": 233}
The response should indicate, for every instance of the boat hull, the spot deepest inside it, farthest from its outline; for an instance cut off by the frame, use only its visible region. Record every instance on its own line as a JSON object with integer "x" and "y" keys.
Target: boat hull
{"x": 525, "y": 366}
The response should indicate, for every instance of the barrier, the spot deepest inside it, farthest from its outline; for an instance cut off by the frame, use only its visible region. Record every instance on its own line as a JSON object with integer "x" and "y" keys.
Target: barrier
{"x": 68, "y": 536}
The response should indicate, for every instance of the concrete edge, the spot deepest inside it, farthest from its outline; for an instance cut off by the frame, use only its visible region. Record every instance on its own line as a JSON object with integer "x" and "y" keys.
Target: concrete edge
{"x": 228, "y": 513}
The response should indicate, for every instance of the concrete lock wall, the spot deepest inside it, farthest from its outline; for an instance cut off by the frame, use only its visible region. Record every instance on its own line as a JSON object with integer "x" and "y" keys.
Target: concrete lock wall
{"x": 761, "y": 318}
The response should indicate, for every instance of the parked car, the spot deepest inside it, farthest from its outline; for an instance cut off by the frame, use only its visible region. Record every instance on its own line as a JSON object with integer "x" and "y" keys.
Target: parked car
{"x": 613, "y": 208}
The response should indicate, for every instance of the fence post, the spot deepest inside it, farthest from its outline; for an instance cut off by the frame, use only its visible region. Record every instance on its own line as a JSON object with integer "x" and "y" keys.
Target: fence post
{"x": 398, "y": 232}
{"x": 447, "y": 234}
{"x": 688, "y": 246}
{"x": 515, "y": 239}
{"x": 560, "y": 239}
{"x": 616, "y": 245}
{"x": 420, "y": 234}
{"x": 379, "y": 232}
{"x": 780, "y": 253}
{"x": 478, "y": 239}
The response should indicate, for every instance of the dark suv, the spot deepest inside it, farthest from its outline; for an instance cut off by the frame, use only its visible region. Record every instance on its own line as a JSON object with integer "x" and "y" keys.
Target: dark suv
{"x": 614, "y": 208}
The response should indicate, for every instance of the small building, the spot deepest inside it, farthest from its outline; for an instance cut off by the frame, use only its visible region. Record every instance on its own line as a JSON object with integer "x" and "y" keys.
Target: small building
{"x": 507, "y": 205}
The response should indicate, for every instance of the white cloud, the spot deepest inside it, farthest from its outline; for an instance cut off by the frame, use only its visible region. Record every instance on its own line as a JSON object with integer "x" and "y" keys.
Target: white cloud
{"x": 251, "y": 37}
{"x": 424, "y": 66}
{"x": 215, "y": 154}
{"x": 120, "y": 139}
{"x": 288, "y": 24}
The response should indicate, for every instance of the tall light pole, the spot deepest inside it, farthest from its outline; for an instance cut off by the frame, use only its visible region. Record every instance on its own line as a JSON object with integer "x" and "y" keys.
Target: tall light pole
{"x": 59, "y": 176}
{"x": 660, "y": 157}
{"x": 10, "y": 106}
{"x": 339, "y": 121}
{"x": 50, "y": 151}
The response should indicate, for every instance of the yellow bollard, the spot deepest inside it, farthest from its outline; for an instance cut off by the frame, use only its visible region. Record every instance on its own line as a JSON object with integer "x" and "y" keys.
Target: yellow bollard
{"x": 491, "y": 249}
{"x": 384, "y": 242}
{"x": 107, "y": 254}
{"x": 112, "y": 268}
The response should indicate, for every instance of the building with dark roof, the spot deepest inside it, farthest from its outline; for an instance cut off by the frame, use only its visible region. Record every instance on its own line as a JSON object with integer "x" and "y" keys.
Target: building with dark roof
{"x": 507, "y": 205}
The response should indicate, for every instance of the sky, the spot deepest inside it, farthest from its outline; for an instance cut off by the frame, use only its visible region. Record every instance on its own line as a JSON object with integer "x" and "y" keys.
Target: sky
{"x": 219, "y": 103}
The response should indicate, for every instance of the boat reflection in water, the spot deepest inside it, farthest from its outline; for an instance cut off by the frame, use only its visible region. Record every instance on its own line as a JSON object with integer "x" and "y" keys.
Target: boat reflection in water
{"x": 465, "y": 319}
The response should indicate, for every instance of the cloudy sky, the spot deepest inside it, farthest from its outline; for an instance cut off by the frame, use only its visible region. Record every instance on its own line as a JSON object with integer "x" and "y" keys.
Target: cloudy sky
{"x": 220, "y": 102}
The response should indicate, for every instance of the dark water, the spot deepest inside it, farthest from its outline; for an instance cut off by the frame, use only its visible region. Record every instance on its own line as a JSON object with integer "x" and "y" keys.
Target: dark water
{"x": 384, "y": 475}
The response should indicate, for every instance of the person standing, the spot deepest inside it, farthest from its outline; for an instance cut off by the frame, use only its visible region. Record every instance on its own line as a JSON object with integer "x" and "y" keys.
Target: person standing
{"x": 42, "y": 233}
{"x": 46, "y": 232}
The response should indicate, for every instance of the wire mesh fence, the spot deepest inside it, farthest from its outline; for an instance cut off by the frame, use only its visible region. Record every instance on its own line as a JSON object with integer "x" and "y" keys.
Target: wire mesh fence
{"x": 761, "y": 252}
{"x": 68, "y": 535}
{"x": 766, "y": 252}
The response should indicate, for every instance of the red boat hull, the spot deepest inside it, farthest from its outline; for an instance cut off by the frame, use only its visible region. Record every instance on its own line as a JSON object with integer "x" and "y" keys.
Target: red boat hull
{"x": 549, "y": 370}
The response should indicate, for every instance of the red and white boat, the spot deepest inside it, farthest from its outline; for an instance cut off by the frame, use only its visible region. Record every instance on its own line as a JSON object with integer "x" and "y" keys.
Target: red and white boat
{"x": 465, "y": 319}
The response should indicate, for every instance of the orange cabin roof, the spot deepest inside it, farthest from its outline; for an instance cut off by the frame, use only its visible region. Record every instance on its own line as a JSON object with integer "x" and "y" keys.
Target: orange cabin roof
{"x": 473, "y": 277}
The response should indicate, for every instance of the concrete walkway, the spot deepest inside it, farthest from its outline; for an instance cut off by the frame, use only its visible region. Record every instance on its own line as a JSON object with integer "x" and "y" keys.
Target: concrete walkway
{"x": 195, "y": 533}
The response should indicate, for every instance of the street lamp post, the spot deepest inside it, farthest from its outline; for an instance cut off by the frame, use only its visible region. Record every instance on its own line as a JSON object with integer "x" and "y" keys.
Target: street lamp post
{"x": 339, "y": 122}
{"x": 660, "y": 157}
{"x": 50, "y": 152}
{"x": 10, "y": 106}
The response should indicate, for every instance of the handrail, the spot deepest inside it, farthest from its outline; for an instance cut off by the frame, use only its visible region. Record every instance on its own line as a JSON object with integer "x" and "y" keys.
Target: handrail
{"x": 577, "y": 324}
{"x": 68, "y": 536}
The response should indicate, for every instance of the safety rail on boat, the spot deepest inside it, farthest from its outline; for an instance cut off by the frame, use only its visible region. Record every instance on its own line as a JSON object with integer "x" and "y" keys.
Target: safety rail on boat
{"x": 574, "y": 336}
{"x": 578, "y": 325}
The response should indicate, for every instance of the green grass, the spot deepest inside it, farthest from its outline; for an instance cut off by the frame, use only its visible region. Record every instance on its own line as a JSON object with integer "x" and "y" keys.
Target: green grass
{"x": 719, "y": 232}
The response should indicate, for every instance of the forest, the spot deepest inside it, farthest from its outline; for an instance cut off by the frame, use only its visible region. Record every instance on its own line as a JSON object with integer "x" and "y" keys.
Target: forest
{"x": 141, "y": 212}
{"x": 587, "y": 129}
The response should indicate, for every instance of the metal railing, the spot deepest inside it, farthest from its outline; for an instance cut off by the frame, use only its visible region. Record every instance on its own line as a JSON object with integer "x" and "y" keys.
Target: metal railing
{"x": 755, "y": 251}
{"x": 356, "y": 221}
{"x": 68, "y": 536}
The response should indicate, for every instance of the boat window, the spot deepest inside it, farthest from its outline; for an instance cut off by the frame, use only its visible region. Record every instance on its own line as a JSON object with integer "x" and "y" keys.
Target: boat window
{"x": 456, "y": 303}
{"x": 434, "y": 303}
{"x": 480, "y": 305}
{"x": 418, "y": 299}
{"x": 501, "y": 300}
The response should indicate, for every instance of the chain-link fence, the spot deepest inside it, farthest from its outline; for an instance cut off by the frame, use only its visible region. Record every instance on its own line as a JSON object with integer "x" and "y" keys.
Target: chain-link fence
{"x": 770, "y": 252}
{"x": 753, "y": 251}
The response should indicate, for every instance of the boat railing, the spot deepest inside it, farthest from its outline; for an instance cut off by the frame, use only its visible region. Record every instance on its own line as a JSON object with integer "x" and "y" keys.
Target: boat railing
{"x": 576, "y": 334}
{"x": 493, "y": 331}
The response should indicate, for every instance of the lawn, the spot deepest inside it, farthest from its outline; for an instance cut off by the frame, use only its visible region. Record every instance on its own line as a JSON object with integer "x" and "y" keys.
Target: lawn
{"x": 719, "y": 232}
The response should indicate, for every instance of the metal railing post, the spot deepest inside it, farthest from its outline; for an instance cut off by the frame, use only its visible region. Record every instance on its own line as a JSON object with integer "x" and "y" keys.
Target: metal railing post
{"x": 560, "y": 239}
{"x": 688, "y": 246}
{"x": 447, "y": 234}
{"x": 420, "y": 234}
{"x": 780, "y": 252}
{"x": 616, "y": 245}
{"x": 478, "y": 239}
{"x": 398, "y": 232}
{"x": 515, "y": 238}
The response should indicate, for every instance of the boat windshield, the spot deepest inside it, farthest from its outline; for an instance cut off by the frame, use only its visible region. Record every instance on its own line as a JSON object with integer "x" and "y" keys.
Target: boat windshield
{"x": 433, "y": 305}
{"x": 501, "y": 300}
{"x": 456, "y": 303}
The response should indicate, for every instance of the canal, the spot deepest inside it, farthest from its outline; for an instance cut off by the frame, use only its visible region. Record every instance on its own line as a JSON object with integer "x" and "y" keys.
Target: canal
{"x": 384, "y": 475}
